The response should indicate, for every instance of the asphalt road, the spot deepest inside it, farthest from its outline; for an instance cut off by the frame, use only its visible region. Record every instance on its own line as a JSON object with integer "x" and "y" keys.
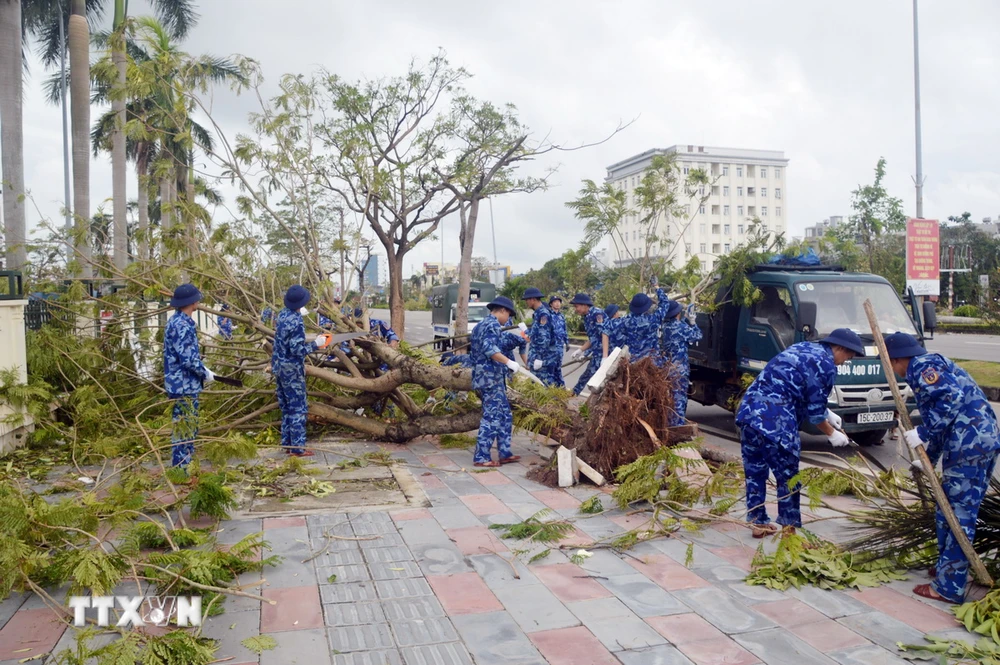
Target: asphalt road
{"x": 966, "y": 347}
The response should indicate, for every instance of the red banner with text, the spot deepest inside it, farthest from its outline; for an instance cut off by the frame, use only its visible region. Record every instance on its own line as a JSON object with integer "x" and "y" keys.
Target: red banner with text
{"x": 923, "y": 257}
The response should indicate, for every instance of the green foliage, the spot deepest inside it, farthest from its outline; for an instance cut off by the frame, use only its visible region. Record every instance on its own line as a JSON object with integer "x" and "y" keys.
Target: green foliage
{"x": 536, "y": 528}
{"x": 260, "y": 643}
{"x": 233, "y": 446}
{"x": 800, "y": 560}
{"x": 457, "y": 441}
{"x": 179, "y": 647}
{"x": 982, "y": 616}
{"x": 657, "y": 477}
{"x": 944, "y": 651}
{"x": 967, "y": 310}
{"x": 211, "y": 497}
{"x": 592, "y": 506}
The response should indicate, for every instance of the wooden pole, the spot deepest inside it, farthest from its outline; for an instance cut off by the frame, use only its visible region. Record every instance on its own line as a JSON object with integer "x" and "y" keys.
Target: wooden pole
{"x": 978, "y": 569}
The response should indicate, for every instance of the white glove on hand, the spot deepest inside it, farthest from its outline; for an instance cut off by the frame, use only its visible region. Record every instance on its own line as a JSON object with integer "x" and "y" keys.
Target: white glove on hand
{"x": 322, "y": 341}
{"x": 692, "y": 314}
{"x": 917, "y": 464}
{"x": 537, "y": 365}
{"x": 522, "y": 327}
{"x": 834, "y": 419}
{"x": 209, "y": 376}
{"x": 512, "y": 366}
{"x": 838, "y": 439}
{"x": 577, "y": 354}
{"x": 912, "y": 439}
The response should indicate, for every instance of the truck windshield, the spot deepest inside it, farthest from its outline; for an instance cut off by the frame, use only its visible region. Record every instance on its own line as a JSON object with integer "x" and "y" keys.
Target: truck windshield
{"x": 477, "y": 313}
{"x": 841, "y": 305}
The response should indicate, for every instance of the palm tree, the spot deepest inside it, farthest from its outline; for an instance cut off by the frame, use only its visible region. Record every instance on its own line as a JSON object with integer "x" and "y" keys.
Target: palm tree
{"x": 11, "y": 134}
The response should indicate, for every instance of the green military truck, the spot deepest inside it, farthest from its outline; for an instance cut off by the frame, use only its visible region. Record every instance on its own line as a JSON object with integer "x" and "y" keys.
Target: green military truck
{"x": 444, "y": 305}
{"x": 800, "y": 304}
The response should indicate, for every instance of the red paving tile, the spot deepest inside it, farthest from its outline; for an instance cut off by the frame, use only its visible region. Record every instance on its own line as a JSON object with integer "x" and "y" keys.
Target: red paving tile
{"x": 463, "y": 593}
{"x": 910, "y": 611}
{"x": 439, "y": 462}
{"x": 406, "y": 515}
{"x": 556, "y": 499}
{"x": 722, "y": 651}
{"x": 430, "y": 481}
{"x": 297, "y": 608}
{"x": 572, "y": 646}
{"x": 738, "y": 556}
{"x": 682, "y": 628}
{"x": 788, "y": 613}
{"x": 827, "y": 635}
{"x": 476, "y": 540}
{"x": 34, "y": 631}
{"x": 484, "y": 504}
{"x": 569, "y": 582}
{"x": 629, "y": 522}
{"x": 668, "y": 573}
{"x": 492, "y": 478}
{"x": 576, "y": 538}
{"x": 282, "y": 522}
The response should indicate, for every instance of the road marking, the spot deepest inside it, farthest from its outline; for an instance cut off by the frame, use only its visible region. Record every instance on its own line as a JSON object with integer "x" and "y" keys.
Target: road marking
{"x": 984, "y": 343}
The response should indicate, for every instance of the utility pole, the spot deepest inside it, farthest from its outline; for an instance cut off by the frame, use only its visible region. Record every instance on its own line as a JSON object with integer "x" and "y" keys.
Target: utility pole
{"x": 919, "y": 180}
{"x": 493, "y": 229}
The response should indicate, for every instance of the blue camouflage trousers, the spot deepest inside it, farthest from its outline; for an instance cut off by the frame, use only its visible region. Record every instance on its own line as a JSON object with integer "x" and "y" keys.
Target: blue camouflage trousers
{"x": 550, "y": 374}
{"x": 592, "y": 367}
{"x": 497, "y": 424}
{"x": 762, "y": 456}
{"x": 683, "y": 378}
{"x": 291, "y": 391}
{"x": 965, "y": 483}
{"x": 185, "y": 429}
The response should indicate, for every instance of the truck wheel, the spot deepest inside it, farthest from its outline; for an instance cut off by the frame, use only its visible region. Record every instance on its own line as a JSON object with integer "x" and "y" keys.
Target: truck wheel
{"x": 871, "y": 437}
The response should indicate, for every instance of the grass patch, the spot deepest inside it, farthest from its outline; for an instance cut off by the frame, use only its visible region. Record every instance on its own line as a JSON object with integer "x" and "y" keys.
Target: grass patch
{"x": 460, "y": 441}
{"x": 984, "y": 372}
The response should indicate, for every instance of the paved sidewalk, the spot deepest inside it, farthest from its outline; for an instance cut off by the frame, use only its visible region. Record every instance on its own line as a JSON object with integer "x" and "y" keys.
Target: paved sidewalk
{"x": 435, "y": 586}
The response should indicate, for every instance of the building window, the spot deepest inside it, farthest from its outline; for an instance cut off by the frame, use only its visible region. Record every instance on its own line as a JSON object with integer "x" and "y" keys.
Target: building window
{"x": 777, "y": 211}
{"x": 763, "y": 172}
{"x": 633, "y": 235}
{"x": 750, "y": 171}
{"x": 701, "y": 191}
{"x": 715, "y": 190}
{"x": 777, "y": 192}
{"x": 726, "y": 229}
{"x": 715, "y": 248}
{"x": 763, "y": 191}
{"x": 739, "y": 211}
{"x": 751, "y": 210}
{"x": 725, "y": 170}
{"x": 703, "y": 266}
{"x": 739, "y": 229}
{"x": 777, "y": 172}
{"x": 687, "y": 247}
{"x": 725, "y": 210}
{"x": 726, "y": 246}
{"x": 763, "y": 211}
{"x": 725, "y": 190}
{"x": 702, "y": 248}
{"x": 751, "y": 191}
{"x": 715, "y": 210}
{"x": 739, "y": 191}
{"x": 701, "y": 209}
{"x": 715, "y": 229}
{"x": 739, "y": 171}
{"x": 687, "y": 170}
{"x": 687, "y": 210}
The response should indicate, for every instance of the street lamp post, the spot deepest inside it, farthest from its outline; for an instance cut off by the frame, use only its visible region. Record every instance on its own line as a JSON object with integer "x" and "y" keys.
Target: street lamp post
{"x": 919, "y": 180}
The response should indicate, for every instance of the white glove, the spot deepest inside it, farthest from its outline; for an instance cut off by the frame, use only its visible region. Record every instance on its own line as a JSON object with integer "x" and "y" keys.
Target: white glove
{"x": 512, "y": 366}
{"x": 322, "y": 341}
{"x": 209, "y": 376}
{"x": 834, "y": 419}
{"x": 912, "y": 439}
{"x": 917, "y": 464}
{"x": 303, "y": 311}
{"x": 577, "y": 354}
{"x": 838, "y": 439}
{"x": 537, "y": 365}
{"x": 522, "y": 327}
{"x": 692, "y": 314}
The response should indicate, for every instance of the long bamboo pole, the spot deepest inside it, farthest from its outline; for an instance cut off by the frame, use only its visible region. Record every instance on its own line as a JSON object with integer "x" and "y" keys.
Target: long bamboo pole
{"x": 978, "y": 569}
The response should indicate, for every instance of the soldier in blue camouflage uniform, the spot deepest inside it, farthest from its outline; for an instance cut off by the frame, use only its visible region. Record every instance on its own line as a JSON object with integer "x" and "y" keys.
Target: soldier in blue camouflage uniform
{"x": 593, "y": 323}
{"x": 267, "y": 316}
{"x": 545, "y": 351}
{"x": 225, "y": 324}
{"x": 561, "y": 336}
{"x": 489, "y": 378}
{"x": 184, "y": 373}
{"x": 510, "y": 343}
{"x": 675, "y": 338}
{"x": 960, "y": 428}
{"x": 794, "y": 387}
{"x": 640, "y": 330}
{"x": 288, "y": 366}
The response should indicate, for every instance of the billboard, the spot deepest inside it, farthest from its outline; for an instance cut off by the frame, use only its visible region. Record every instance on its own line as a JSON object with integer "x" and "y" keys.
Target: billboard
{"x": 431, "y": 269}
{"x": 923, "y": 257}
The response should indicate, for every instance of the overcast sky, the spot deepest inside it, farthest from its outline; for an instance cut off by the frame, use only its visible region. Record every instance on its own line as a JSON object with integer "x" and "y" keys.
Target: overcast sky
{"x": 830, "y": 84}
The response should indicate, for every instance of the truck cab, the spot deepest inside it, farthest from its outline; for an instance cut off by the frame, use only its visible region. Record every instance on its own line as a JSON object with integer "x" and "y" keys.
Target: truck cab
{"x": 444, "y": 306}
{"x": 803, "y": 304}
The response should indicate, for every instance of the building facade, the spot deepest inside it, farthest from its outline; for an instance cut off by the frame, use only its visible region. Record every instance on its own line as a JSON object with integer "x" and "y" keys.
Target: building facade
{"x": 743, "y": 185}
{"x": 813, "y": 234}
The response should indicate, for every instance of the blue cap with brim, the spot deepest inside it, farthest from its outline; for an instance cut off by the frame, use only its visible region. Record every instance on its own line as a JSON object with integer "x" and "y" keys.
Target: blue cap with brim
{"x": 501, "y": 301}
{"x": 902, "y": 345}
{"x": 640, "y": 304}
{"x": 297, "y": 297}
{"x": 581, "y": 299}
{"x": 846, "y": 338}
{"x": 184, "y": 295}
{"x": 673, "y": 309}
{"x": 532, "y": 293}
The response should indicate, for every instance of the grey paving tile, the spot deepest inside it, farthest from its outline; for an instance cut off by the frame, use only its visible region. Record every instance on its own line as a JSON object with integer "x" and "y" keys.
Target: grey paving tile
{"x": 606, "y": 563}
{"x": 361, "y": 638}
{"x": 355, "y": 573}
{"x": 406, "y": 609}
{"x": 461, "y": 484}
{"x": 833, "y": 604}
{"x": 722, "y": 575}
{"x": 709, "y": 537}
{"x": 440, "y": 559}
{"x": 511, "y": 494}
{"x": 230, "y": 630}
{"x": 777, "y": 646}
{"x": 882, "y": 629}
{"x": 494, "y": 638}
{"x": 405, "y": 588}
{"x": 301, "y": 647}
{"x": 423, "y": 532}
{"x": 379, "y": 657}
{"x": 346, "y": 592}
{"x": 642, "y": 596}
{"x": 722, "y": 611}
{"x": 367, "y": 528}
{"x": 452, "y": 653}
{"x": 233, "y": 531}
{"x": 10, "y": 605}
{"x": 535, "y": 608}
{"x": 385, "y": 540}
{"x": 599, "y": 527}
{"x": 526, "y": 509}
{"x": 869, "y": 655}
{"x": 661, "y": 655}
{"x": 498, "y": 575}
{"x": 456, "y": 517}
{"x": 615, "y": 625}
{"x": 387, "y": 554}
{"x": 353, "y": 614}
{"x": 344, "y": 558}
{"x": 428, "y": 630}
{"x": 750, "y": 594}
{"x": 395, "y": 571}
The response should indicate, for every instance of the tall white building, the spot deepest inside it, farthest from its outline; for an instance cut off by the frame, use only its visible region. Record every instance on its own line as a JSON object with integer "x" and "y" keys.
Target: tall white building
{"x": 743, "y": 184}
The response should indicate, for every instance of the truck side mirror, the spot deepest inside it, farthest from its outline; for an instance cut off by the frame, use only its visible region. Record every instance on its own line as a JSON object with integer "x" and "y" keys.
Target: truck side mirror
{"x": 930, "y": 316}
{"x": 807, "y": 317}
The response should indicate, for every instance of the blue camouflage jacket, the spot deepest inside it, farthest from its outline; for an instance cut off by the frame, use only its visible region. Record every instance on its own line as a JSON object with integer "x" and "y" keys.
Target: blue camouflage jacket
{"x": 593, "y": 324}
{"x": 290, "y": 346}
{"x": 486, "y": 341}
{"x": 544, "y": 345}
{"x": 225, "y": 326}
{"x": 675, "y": 338}
{"x": 957, "y": 417}
{"x": 613, "y": 329}
{"x": 559, "y": 329}
{"x": 794, "y": 387}
{"x": 511, "y": 342}
{"x": 640, "y": 333}
{"x": 183, "y": 371}
{"x": 381, "y": 329}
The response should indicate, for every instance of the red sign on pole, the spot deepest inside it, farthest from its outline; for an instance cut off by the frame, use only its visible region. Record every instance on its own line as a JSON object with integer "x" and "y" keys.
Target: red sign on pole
{"x": 923, "y": 257}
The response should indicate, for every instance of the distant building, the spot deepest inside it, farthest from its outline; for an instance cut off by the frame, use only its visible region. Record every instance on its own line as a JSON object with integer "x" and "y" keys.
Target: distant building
{"x": 814, "y": 233}
{"x": 371, "y": 272}
{"x": 743, "y": 184}
{"x": 599, "y": 259}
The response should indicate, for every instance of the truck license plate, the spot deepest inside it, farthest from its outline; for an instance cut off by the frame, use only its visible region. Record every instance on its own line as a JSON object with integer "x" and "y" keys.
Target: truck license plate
{"x": 875, "y": 417}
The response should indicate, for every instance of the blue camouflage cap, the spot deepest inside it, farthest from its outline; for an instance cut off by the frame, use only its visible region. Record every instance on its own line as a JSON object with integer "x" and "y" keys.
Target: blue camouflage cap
{"x": 532, "y": 293}
{"x": 902, "y": 345}
{"x": 846, "y": 338}
{"x": 640, "y": 304}
{"x": 673, "y": 309}
{"x": 611, "y": 310}
{"x": 581, "y": 299}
